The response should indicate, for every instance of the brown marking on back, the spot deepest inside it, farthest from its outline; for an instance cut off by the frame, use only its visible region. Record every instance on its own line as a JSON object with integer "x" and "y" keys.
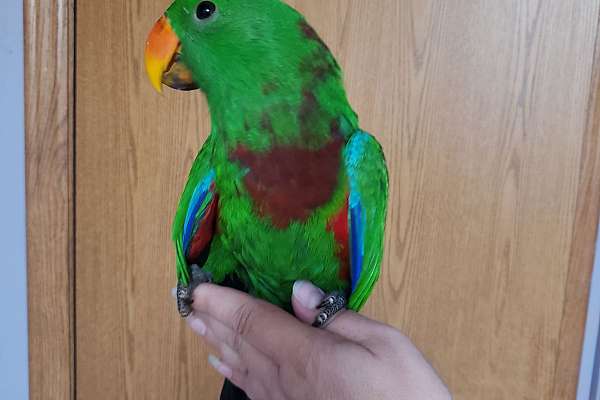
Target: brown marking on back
{"x": 310, "y": 33}
{"x": 308, "y": 107}
{"x": 307, "y": 112}
{"x": 269, "y": 88}
{"x": 289, "y": 183}
{"x": 267, "y": 125}
{"x": 334, "y": 128}
{"x": 265, "y": 122}
{"x": 319, "y": 64}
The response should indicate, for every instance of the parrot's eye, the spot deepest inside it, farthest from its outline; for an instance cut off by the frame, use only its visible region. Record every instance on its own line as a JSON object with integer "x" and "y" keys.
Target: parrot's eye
{"x": 205, "y": 9}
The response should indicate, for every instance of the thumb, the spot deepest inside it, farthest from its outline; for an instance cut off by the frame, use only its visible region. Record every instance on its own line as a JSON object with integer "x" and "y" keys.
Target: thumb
{"x": 305, "y": 299}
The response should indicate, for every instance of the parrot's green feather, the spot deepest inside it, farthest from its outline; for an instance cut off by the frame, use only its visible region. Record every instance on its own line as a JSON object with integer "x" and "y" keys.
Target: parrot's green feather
{"x": 281, "y": 129}
{"x": 369, "y": 176}
{"x": 200, "y": 169}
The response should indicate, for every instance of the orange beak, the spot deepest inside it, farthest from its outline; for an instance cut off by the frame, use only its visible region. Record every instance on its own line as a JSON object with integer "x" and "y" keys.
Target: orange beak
{"x": 161, "y": 47}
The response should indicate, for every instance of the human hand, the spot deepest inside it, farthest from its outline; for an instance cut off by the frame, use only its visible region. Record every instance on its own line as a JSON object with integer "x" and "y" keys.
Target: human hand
{"x": 272, "y": 355}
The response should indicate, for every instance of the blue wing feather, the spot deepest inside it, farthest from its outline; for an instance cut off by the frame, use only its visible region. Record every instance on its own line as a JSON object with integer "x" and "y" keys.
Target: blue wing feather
{"x": 198, "y": 198}
{"x": 357, "y": 245}
{"x": 357, "y": 225}
{"x": 368, "y": 182}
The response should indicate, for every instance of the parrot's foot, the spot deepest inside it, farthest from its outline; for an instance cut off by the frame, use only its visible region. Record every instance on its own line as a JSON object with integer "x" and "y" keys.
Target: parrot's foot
{"x": 329, "y": 307}
{"x": 185, "y": 293}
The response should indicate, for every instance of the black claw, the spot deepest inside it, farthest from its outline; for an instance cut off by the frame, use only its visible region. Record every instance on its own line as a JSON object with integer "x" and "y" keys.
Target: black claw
{"x": 199, "y": 276}
{"x": 184, "y": 300}
{"x": 329, "y": 300}
{"x": 329, "y": 307}
{"x": 185, "y": 293}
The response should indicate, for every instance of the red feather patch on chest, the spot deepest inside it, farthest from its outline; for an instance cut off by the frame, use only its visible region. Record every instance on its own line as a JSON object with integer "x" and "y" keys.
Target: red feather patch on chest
{"x": 338, "y": 224}
{"x": 288, "y": 183}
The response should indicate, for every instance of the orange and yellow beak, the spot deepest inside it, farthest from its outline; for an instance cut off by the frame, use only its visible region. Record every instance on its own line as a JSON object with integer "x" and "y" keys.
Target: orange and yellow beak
{"x": 161, "y": 47}
{"x": 162, "y": 59}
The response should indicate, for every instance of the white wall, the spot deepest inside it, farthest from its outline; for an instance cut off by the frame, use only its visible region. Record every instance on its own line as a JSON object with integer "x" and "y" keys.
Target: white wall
{"x": 590, "y": 360}
{"x": 13, "y": 287}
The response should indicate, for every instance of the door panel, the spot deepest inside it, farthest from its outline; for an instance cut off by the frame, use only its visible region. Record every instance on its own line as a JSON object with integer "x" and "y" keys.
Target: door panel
{"x": 48, "y": 48}
{"x": 487, "y": 114}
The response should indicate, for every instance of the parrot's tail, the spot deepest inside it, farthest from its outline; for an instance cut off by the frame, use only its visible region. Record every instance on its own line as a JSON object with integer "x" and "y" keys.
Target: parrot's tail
{"x": 232, "y": 392}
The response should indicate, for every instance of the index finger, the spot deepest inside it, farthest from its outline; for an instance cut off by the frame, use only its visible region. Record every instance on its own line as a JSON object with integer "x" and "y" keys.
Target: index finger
{"x": 267, "y": 328}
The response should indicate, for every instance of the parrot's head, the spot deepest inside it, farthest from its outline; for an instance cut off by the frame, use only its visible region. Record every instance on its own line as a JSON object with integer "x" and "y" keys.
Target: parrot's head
{"x": 229, "y": 46}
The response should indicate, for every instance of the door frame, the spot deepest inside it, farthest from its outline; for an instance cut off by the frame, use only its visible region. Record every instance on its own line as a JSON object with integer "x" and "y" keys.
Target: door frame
{"x": 49, "y": 116}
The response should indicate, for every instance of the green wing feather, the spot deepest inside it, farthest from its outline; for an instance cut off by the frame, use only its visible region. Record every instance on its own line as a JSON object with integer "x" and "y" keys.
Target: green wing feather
{"x": 201, "y": 168}
{"x": 368, "y": 176}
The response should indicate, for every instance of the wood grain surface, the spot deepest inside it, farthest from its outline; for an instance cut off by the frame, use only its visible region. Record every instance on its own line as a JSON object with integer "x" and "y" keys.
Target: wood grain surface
{"x": 48, "y": 96}
{"x": 488, "y": 115}
{"x": 581, "y": 254}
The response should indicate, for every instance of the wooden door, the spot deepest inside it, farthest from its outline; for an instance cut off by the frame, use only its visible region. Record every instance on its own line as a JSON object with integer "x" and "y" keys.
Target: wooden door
{"x": 488, "y": 115}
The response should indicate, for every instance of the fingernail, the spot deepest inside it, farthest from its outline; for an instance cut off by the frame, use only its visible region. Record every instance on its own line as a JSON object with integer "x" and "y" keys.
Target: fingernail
{"x": 220, "y": 367}
{"x": 307, "y": 294}
{"x": 197, "y": 325}
{"x": 174, "y": 293}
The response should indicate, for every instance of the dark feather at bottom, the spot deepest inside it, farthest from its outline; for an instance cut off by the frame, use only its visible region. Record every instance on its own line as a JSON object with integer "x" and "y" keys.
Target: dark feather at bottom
{"x": 232, "y": 392}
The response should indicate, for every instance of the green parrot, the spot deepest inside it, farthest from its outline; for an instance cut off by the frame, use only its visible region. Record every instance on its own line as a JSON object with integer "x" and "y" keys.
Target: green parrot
{"x": 287, "y": 186}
